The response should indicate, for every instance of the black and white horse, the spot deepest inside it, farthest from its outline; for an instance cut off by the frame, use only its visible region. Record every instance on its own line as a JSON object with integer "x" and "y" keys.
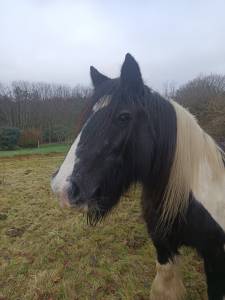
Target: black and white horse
{"x": 132, "y": 134}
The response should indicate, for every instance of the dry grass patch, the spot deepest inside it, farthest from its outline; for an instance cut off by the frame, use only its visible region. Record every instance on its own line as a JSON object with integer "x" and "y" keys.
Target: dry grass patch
{"x": 51, "y": 254}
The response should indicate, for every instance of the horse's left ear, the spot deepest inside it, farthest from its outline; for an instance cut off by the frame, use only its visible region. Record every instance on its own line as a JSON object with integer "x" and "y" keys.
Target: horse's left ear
{"x": 130, "y": 77}
{"x": 96, "y": 77}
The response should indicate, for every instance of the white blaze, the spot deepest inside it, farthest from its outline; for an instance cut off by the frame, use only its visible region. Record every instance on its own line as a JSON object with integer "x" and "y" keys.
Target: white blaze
{"x": 60, "y": 182}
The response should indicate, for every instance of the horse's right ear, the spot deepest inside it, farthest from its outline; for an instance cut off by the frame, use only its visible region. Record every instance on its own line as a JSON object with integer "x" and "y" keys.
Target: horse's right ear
{"x": 131, "y": 78}
{"x": 96, "y": 77}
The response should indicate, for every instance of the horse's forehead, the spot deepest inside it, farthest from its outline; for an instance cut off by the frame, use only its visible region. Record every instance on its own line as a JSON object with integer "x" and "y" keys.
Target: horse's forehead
{"x": 102, "y": 102}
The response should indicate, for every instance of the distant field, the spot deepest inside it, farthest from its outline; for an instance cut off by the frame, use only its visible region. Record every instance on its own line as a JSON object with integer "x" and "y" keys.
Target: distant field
{"x": 47, "y": 253}
{"x": 43, "y": 149}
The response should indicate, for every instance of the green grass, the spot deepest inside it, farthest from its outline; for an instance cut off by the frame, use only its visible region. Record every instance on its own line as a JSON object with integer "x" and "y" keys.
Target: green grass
{"x": 47, "y": 253}
{"x": 43, "y": 149}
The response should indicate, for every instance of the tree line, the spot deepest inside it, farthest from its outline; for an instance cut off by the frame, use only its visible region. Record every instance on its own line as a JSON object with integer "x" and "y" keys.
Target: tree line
{"x": 49, "y": 112}
{"x": 43, "y": 109}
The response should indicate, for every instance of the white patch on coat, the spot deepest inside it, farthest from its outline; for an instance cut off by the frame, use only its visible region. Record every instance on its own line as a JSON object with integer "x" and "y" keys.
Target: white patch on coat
{"x": 211, "y": 193}
{"x": 168, "y": 282}
{"x": 197, "y": 167}
{"x": 101, "y": 103}
{"x": 60, "y": 183}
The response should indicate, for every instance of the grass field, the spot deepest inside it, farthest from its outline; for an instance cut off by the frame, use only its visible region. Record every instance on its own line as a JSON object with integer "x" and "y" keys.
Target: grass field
{"x": 51, "y": 254}
{"x": 43, "y": 149}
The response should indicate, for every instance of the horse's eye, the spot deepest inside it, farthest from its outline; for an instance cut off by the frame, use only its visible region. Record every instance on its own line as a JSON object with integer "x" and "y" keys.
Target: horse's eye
{"x": 124, "y": 117}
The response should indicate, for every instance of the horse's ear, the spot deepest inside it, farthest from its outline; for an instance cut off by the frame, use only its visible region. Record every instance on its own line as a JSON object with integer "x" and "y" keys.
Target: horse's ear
{"x": 96, "y": 77}
{"x": 130, "y": 77}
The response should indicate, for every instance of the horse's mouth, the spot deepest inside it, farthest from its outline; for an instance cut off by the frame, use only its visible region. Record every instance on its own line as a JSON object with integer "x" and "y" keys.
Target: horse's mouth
{"x": 83, "y": 203}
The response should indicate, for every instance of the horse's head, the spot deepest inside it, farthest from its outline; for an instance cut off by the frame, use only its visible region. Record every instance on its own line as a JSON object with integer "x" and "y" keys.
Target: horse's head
{"x": 113, "y": 147}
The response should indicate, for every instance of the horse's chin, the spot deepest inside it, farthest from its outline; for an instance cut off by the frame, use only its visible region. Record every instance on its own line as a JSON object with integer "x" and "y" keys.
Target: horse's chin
{"x": 65, "y": 203}
{"x": 81, "y": 208}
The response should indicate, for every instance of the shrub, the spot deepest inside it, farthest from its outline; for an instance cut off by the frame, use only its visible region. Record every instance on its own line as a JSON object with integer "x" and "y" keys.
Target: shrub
{"x": 9, "y": 137}
{"x": 56, "y": 134}
{"x": 30, "y": 138}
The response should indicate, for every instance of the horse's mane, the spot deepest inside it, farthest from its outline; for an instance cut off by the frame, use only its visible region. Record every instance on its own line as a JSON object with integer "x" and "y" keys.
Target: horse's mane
{"x": 194, "y": 148}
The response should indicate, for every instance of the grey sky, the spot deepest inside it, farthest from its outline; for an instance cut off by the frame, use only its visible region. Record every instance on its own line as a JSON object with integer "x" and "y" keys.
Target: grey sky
{"x": 57, "y": 41}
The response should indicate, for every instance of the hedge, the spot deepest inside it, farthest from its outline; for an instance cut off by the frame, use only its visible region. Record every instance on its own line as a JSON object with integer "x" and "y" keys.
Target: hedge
{"x": 9, "y": 137}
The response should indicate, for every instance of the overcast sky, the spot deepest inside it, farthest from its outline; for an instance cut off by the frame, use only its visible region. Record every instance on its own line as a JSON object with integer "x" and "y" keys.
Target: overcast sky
{"x": 57, "y": 40}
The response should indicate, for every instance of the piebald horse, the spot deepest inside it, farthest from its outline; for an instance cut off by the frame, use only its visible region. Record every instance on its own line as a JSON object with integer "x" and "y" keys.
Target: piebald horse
{"x": 131, "y": 134}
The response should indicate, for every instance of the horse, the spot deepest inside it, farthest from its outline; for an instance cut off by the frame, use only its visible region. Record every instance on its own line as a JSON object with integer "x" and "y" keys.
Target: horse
{"x": 131, "y": 134}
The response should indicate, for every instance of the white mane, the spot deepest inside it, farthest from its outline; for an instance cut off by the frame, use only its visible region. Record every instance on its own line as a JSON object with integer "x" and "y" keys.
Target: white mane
{"x": 197, "y": 167}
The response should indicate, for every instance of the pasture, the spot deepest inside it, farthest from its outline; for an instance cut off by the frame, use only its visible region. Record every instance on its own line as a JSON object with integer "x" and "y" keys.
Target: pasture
{"x": 43, "y": 149}
{"x": 47, "y": 253}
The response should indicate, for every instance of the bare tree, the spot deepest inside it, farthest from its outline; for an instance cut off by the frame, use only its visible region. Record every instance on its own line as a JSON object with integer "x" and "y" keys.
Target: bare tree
{"x": 169, "y": 89}
{"x": 52, "y": 109}
{"x": 205, "y": 97}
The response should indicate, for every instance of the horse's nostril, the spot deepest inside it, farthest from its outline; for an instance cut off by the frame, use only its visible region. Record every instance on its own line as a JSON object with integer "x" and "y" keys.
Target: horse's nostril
{"x": 74, "y": 192}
